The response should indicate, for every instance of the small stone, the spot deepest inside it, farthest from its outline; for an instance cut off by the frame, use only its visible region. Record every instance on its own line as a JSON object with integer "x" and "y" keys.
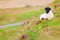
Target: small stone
{"x": 24, "y": 37}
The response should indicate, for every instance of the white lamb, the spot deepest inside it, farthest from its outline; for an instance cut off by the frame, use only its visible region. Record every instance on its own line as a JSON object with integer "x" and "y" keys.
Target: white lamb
{"x": 48, "y": 15}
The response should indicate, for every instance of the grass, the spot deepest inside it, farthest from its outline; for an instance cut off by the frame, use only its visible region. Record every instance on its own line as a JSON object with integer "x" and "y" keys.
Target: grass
{"x": 32, "y": 30}
{"x": 10, "y": 18}
{"x": 56, "y": 2}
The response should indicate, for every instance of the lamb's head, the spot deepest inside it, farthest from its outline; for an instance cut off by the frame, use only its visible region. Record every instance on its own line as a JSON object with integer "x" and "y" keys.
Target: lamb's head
{"x": 47, "y": 9}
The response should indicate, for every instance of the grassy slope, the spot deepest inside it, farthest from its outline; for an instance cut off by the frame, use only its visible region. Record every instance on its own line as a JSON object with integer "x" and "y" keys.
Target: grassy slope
{"x": 51, "y": 23}
{"x": 9, "y": 16}
{"x": 30, "y": 29}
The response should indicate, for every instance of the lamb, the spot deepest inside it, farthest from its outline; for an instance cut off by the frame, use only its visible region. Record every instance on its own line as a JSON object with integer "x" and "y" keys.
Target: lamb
{"x": 48, "y": 15}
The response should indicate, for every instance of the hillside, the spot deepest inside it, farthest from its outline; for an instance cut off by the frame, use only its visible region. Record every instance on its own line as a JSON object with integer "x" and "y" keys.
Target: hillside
{"x": 33, "y": 28}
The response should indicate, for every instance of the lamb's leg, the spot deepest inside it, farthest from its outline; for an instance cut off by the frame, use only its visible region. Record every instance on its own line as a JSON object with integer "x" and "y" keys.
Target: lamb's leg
{"x": 46, "y": 18}
{"x": 42, "y": 19}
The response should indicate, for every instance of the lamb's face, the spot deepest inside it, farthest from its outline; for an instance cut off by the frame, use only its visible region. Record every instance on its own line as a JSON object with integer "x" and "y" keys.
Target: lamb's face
{"x": 47, "y": 9}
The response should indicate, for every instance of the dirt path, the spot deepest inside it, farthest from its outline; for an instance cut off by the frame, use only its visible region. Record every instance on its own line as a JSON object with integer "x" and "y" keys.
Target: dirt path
{"x": 10, "y": 25}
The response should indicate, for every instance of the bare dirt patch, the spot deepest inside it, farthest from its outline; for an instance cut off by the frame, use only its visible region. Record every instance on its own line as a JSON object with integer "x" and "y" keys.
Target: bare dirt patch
{"x": 13, "y": 6}
{"x": 22, "y": 3}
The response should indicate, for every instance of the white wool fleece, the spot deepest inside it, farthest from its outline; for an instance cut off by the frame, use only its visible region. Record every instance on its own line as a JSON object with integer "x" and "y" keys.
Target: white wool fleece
{"x": 49, "y": 16}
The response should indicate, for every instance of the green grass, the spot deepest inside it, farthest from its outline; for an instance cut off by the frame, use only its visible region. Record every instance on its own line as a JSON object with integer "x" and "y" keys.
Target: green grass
{"x": 10, "y": 18}
{"x": 27, "y": 15}
{"x": 51, "y": 23}
{"x": 55, "y": 3}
